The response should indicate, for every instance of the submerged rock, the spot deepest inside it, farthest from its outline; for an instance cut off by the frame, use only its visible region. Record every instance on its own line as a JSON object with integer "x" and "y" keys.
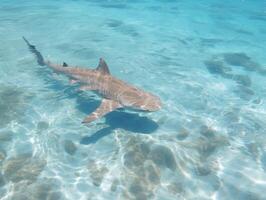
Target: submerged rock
{"x": 152, "y": 173}
{"x": 163, "y": 157}
{"x": 12, "y": 104}
{"x": 207, "y": 131}
{"x": 244, "y": 93}
{"x": 254, "y": 149}
{"x": 55, "y": 196}
{"x": 2, "y": 154}
{"x": 211, "y": 42}
{"x": 136, "y": 187}
{"x": 141, "y": 176}
{"x": 136, "y": 153}
{"x": 182, "y": 134}
{"x": 176, "y": 188}
{"x": 202, "y": 170}
{"x": 138, "y": 190}
{"x": 114, "y": 5}
{"x": 162, "y": 120}
{"x": 209, "y": 143}
{"x": 220, "y": 66}
{"x": 112, "y": 23}
{"x": 70, "y": 147}
{"x": 42, "y": 125}
{"x": 206, "y": 147}
{"x": 114, "y": 185}
{"x": 133, "y": 159}
{"x": 23, "y": 167}
{"x": 42, "y": 190}
{"x": 2, "y": 180}
{"x": 243, "y": 80}
{"x": 215, "y": 67}
{"x": 241, "y": 59}
{"x": 232, "y": 116}
{"x": 263, "y": 161}
{"x": 97, "y": 173}
{"x": 6, "y": 136}
{"x": 236, "y": 58}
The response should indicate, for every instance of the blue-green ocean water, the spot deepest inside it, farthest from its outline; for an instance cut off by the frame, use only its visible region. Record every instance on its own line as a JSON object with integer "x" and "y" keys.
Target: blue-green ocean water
{"x": 205, "y": 59}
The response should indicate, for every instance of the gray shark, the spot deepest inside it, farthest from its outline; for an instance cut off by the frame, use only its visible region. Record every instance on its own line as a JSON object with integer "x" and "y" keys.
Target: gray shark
{"x": 115, "y": 93}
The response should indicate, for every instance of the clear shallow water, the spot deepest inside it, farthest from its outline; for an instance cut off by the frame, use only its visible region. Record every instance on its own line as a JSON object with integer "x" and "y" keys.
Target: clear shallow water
{"x": 205, "y": 60}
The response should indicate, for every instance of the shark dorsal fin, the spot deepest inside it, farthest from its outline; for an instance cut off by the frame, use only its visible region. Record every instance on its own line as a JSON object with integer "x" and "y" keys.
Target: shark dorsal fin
{"x": 65, "y": 65}
{"x": 103, "y": 67}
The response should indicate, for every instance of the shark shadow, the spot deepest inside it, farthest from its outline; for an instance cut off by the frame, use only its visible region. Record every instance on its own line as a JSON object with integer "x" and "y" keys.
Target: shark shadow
{"x": 128, "y": 121}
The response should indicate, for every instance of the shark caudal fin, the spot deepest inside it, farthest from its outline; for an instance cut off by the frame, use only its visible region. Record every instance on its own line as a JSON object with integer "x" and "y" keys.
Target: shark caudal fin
{"x": 33, "y": 50}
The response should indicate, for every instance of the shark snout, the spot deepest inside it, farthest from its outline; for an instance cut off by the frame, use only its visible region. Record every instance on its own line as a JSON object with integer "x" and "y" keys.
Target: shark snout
{"x": 153, "y": 103}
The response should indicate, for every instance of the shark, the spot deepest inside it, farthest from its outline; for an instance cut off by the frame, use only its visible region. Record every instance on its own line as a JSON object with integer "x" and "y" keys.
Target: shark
{"x": 115, "y": 93}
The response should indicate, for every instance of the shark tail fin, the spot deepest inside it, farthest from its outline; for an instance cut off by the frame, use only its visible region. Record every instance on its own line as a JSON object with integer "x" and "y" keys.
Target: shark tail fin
{"x": 33, "y": 50}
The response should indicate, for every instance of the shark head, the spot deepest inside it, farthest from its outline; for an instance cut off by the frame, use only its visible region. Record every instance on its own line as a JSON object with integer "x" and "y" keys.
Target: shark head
{"x": 140, "y": 100}
{"x": 150, "y": 102}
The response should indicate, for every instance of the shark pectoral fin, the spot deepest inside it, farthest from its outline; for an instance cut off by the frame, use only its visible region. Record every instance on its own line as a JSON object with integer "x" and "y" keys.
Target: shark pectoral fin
{"x": 87, "y": 87}
{"x": 103, "y": 67}
{"x": 105, "y": 107}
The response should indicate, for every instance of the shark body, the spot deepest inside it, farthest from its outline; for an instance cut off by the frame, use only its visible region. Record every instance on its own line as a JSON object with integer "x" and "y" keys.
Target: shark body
{"x": 115, "y": 93}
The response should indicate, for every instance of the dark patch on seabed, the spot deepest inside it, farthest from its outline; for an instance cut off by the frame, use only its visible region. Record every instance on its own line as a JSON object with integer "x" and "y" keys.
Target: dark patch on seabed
{"x": 121, "y": 27}
{"x": 23, "y": 167}
{"x": 13, "y": 101}
{"x": 24, "y": 171}
{"x": 223, "y": 64}
{"x": 244, "y": 32}
{"x": 217, "y": 67}
{"x": 210, "y": 42}
{"x": 143, "y": 164}
{"x": 115, "y": 5}
{"x": 260, "y": 16}
{"x": 144, "y": 161}
{"x": 113, "y": 23}
{"x": 42, "y": 189}
{"x": 242, "y": 60}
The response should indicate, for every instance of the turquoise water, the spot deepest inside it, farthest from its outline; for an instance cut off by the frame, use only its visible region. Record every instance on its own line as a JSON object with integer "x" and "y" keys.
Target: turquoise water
{"x": 205, "y": 59}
